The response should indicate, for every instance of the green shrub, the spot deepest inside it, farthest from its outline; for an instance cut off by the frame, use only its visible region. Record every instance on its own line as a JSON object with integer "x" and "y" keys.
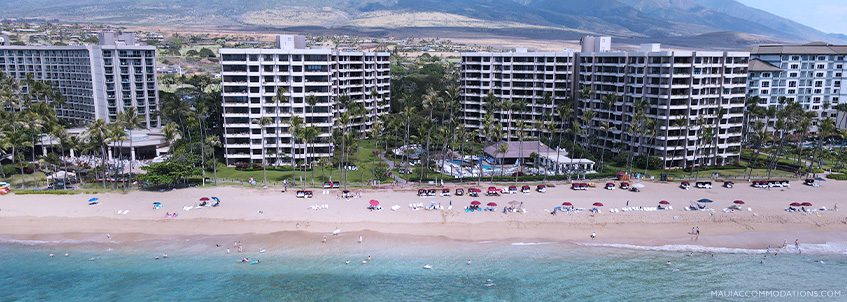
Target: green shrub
{"x": 837, "y": 176}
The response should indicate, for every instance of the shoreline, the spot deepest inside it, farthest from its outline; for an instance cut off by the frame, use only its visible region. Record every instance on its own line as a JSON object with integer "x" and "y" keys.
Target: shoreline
{"x": 272, "y": 214}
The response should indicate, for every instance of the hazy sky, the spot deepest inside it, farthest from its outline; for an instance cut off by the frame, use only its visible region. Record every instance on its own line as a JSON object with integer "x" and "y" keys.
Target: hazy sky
{"x": 826, "y": 15}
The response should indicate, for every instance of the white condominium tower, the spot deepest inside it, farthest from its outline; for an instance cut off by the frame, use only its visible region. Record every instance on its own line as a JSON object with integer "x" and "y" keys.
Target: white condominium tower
{"x": 517, "y": 87}
{"x": 252, "y": 78}
{"x": 812, "y": 75}
{"x": 97, "y": 81}
{"x": 694, "y": 100}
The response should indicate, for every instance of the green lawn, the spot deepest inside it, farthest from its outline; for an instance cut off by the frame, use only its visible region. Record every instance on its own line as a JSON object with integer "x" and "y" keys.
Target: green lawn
{"x": 364, "y": 159}
{"x": 18, "y": 179}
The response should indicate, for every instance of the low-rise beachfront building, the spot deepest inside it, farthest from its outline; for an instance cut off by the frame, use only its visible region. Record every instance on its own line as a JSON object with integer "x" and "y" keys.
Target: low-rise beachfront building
{"x": 811, "y": 74}
{"x": 96, "y": 81}
{"x": 258, "y": 124}
{"x": 518, "y": 87}
{"x": 684, "y": 107}
{"x": 522, "y": 153}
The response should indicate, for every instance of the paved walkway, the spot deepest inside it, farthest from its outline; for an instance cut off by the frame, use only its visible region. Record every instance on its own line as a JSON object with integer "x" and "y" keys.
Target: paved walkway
{"x": 397, "y": 178}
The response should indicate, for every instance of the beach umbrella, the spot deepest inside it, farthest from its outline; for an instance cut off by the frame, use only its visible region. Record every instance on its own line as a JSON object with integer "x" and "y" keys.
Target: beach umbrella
{"x": 598, "y": 204}
{"x": 738, "y": 202}
{"x": 638, "y": 185}
{"x": 796, "y": 204}
{"x": 93, "y": 199}
{"x": 215, "y": 198}
{"x": 475, "y": 203}
{"x": 204, "y": 199}
{"x": 806, "y": 204}
{"x": 514, "y": 203}
{"x": 567, "y": 204}
{"x": 705, "y": 200}
{"x": 492, "y": 204}
{"x": 664, "y": 202}
{"x": 374, "y": 202}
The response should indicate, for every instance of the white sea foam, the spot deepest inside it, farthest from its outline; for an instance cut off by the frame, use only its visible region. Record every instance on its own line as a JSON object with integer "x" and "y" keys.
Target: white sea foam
{"x": 829, "y": 248}
{"x": 531, "y": 243}
{"x": 11, "y": 241}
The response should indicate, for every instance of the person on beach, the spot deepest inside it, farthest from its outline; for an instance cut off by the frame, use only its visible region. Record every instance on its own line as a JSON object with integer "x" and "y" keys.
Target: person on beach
{"x": 324, "y": 239}
{"x": 360, "y": 239}
{"x": 593, "y": 235}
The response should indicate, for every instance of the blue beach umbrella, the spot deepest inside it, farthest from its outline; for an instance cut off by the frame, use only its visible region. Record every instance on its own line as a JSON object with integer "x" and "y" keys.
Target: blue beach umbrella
{"x": 704, "y": 200}
{"x": 93, "y": 199}
{"x": 215, "y": 198}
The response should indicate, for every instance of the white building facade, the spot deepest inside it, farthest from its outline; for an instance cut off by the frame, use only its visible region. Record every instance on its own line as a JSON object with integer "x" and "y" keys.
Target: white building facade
{"x": 97, "y": 81}
{"x": 251, "y": 79}
{"x": 812, "y": 75}
{"x": 695, "y": 100}
{"x": 534, "y": 83}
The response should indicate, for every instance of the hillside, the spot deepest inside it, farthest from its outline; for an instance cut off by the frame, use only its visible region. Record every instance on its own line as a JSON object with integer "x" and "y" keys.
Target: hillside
{"x": 669, "y": 21}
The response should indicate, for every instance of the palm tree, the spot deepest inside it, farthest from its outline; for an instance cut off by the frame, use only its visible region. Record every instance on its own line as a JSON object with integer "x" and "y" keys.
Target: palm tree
{"x": 170, "y": 131}
{"x": 750, "y": 105}
{"x": 502, "y": 149}
{"x": 97, "y": 135}
{"x": 295, "y": 129}
{"x": 520, "y": 125}
{"x": 606, "y": 128}
{"x": 826, "y": 130}
{"x": 277, "y": 99}
{"x": 264, "y": 122}
{"x": 117, "y": 135}
{"x": 62, "y": 136}
{"x": 130, "y": 120}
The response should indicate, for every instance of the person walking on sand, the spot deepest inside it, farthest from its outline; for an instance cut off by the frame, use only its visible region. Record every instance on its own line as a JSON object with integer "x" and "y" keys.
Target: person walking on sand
{"x": 593, "y": 235}
{"x": 324, "y": 239}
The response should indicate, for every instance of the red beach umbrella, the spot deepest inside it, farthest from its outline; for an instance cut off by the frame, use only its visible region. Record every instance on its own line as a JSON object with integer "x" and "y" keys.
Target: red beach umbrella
{"x": 806, "y": 204}
{"x": 598, "y": 204}
{"x": 738, "y": 202}
{"x": 492, "y": 204}
{"x": 204, "y": 199}
{"x": 374, "y": 202}
{"x": 475, "y": 203}
{"x": 796, "y": 204}
{"x": 567, "y": 204}
{"x": 664, "y": 202}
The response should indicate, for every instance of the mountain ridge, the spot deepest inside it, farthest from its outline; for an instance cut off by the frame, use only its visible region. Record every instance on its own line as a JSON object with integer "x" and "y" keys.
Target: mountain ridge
{"x": 657, "y": 20}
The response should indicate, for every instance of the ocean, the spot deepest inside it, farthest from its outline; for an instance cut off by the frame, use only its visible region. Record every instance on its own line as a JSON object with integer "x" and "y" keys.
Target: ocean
{"x": 196, "y": 270}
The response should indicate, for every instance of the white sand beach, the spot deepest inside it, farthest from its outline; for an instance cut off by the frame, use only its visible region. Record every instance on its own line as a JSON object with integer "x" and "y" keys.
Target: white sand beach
{"x": 246, "y": 211}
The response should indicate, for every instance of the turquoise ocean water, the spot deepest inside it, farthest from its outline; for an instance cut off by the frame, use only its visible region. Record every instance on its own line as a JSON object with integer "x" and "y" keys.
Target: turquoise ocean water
{"x": 517, "y": 272}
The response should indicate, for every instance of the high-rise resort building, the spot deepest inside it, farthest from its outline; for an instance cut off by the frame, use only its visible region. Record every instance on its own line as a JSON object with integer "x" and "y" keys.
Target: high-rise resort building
{"x": 684, "y": 107}
{"x": 811, "y": 74}
{"x": 97, "y": 81}
{"x": 316, "y": 84}
{"x": 522, "y": 90}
